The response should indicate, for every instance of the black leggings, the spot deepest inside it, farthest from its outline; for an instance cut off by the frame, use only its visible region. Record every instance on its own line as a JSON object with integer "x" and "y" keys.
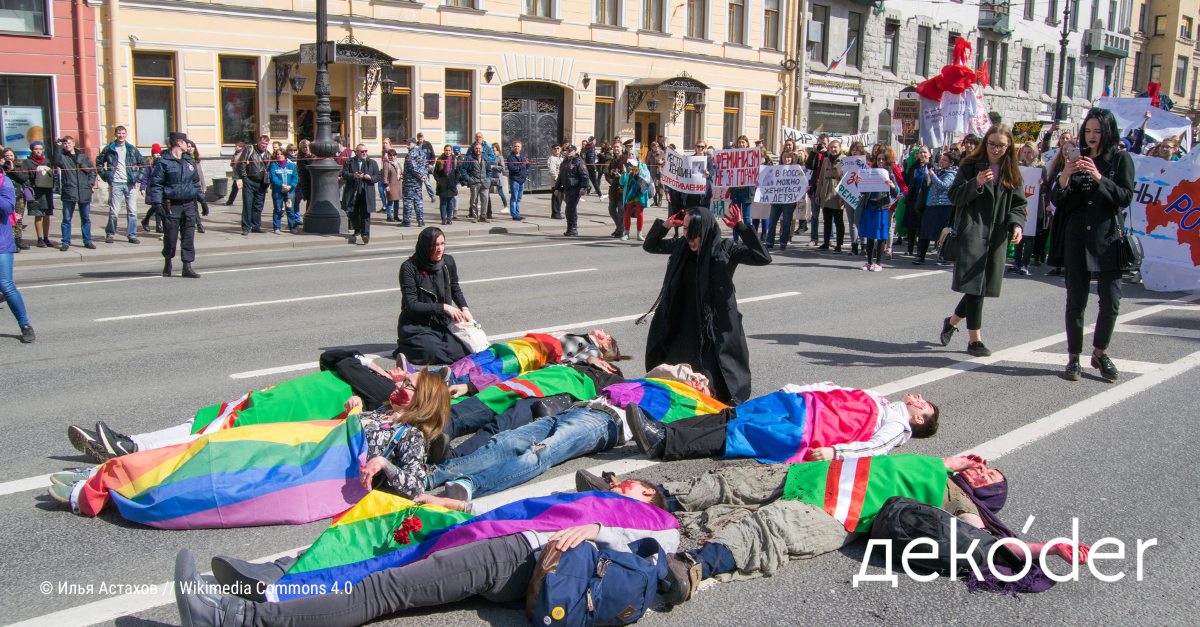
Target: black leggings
{"x": 922, "y": 248}
{"x": 876, "y": 246}
{"x": 971, "y": 308}
{"x": 832, "y": 217}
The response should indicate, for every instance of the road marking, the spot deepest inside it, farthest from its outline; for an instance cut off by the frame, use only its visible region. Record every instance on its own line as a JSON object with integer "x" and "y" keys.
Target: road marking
{"x": 917, "y": 274}
{"x": 1060, "y": 360}
{"x": 21, "y": 485}
{"x": 1034, "y": 431}
{"x": 324, "y": 296}
{"x": 1168, "y": 331}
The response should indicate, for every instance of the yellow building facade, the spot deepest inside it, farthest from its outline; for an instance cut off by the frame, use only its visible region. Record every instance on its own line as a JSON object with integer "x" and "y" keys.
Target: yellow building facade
{"x": 542, "y": 71}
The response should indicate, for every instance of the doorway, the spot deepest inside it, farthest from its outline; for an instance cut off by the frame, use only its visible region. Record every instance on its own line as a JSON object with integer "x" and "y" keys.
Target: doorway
{"x": 305, "y": 108}
{"x": 645, "y": 130}
{"x": 532, "y": 113}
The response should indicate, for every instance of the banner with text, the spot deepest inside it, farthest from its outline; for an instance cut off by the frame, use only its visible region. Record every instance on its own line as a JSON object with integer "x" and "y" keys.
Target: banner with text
{"x": 1033, "y": 187}
{"x": 853, "y": 170}
{"x": 1165, "y": 215}
{"x": 684, "y": 172}
{"x": 737, "y": 167}
{"x": 810, "y": 139}
{"x": 781, "y": 184}
{"x": 1131, "y": 112}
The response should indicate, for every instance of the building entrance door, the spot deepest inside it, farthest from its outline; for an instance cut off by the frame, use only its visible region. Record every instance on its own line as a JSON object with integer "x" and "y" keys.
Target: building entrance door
{"x": 645, "y": 130}
{"x": 531, "y": 113}
{"x": 305, "y": 110}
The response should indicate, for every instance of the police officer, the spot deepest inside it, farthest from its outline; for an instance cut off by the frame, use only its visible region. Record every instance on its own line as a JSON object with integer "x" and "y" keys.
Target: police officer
{"x": 175, "y": 183}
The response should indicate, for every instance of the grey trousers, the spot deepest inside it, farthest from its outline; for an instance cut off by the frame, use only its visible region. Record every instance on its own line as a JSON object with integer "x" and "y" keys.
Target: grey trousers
{"x": 739, "y": 507}
{"x": 498, "y": 569}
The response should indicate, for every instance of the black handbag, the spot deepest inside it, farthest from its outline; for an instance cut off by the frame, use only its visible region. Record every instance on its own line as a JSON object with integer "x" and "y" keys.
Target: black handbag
{"x": 1129, "y": 247}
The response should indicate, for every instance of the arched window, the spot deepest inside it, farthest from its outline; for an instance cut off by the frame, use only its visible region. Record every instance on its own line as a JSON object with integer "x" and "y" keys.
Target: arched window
{"x": 884, "y": 132}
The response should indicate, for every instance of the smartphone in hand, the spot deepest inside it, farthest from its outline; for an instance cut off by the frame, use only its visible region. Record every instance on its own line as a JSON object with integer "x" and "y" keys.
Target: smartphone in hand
{"x": 1072, "y": 153}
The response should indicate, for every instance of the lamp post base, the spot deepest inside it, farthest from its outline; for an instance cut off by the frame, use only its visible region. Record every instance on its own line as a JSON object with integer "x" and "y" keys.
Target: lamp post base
{"x": 324, "y": 214}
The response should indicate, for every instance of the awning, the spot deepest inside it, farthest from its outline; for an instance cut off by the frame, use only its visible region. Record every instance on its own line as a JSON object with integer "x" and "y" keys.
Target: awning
{"x": 348, "y": 53}
{"x": 673, "y": 83}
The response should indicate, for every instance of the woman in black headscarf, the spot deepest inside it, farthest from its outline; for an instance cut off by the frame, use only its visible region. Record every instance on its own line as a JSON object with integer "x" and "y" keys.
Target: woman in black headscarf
{"x": 696, "y": 320}
{"x": 431, "y": 301}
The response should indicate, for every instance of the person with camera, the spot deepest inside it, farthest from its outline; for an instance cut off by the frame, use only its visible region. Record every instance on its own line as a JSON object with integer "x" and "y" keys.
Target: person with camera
{"x": 172, "y": 191}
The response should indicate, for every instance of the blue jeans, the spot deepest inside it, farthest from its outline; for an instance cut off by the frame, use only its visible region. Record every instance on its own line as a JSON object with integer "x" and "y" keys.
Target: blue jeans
{"x": 741, "y": 198}
{"x": 383, "y": 201}
{"x": 9, "y": 289}
{"x": 85, "y": 220}
{"x": 277, "y": 200}
{"x": 778, "y": 211}
{"x": 122, "y": 194}
{"x": 392, "y": 207}
{"x": 447, "y": 207}
{"x": 468, "y": 416}
{"x": 429, "y": 188}
{"x": 517, "y": 190}
{"x": 514, "y": 457}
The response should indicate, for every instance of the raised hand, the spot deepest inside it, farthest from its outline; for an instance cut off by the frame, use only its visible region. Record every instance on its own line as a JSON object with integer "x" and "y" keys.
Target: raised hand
{"x": 733, "y": 216}
{"x": 675, "y": 221}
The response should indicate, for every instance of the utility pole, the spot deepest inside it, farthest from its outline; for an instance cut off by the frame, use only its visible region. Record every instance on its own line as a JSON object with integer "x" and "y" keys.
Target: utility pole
{"x": 322, "y": 215}
{"x": 1062, "y": 60}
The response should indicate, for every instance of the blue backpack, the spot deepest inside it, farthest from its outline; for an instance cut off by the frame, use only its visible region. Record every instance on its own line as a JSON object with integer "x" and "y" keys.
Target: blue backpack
{"x": 586, "y": 586}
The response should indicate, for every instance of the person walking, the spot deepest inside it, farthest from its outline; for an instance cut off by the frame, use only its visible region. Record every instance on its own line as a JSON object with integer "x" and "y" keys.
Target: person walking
{"x": 613, "y": 170}
{"x": 518, "y": 173}
{"x": 77, "y": 180}
{"x": 938, "y": 208}
{"x": 553, "y": 164}
{"x": 447, "y": 175}
{"x": 637, "y": 184}
{"x": 476, "y": 173}
{"x": 41, "y": 181}
{"x": 11, "y": 168}
{"x": 173, "y": 186}
{"x": 828, "y": 177}
{"x": 357, "y": 177}
{"x": 393, "y": 185}
{"x": 988, "y": 194}
{"x": 571, "y": 184}
{"x": 416, "y": 172}
{"x": 1091, "y": 195}
{"x": 194, "y": 152}
{"x": 8, "y": 246}
{"x": 253, "y": 168}
{"x": 283, "y": 181}
{"x": 696, "y": 319}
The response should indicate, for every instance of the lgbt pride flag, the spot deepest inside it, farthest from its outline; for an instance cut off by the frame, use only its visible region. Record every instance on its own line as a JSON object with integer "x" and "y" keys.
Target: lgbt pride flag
{"x": 663, "y": 400}
{"x": 318, "y": 396}
{"x": 782, "y": 426}
{"x": 506, "y": 360}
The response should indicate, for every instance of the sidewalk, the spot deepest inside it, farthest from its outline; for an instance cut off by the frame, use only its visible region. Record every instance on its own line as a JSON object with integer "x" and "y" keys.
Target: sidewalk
{"x": 223, "y": 231}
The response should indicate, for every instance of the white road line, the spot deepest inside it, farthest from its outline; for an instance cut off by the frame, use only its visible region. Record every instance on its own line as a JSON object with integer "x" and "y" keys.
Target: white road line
{"x": 1060, "y": 360}
{"x": 323, "y": 296}
{"x": 21, "y": 485}
{"x": 1168, "y": 331}
{"x": 1034, "y": 431}
{"x": 917, "y": 274}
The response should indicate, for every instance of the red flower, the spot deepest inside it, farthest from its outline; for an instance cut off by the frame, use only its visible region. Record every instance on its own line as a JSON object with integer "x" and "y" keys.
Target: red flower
{"x": 400, "y": 535}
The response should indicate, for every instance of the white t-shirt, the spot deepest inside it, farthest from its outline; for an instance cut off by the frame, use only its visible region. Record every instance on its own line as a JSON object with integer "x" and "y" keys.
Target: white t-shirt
{"x": 119, "y": 174}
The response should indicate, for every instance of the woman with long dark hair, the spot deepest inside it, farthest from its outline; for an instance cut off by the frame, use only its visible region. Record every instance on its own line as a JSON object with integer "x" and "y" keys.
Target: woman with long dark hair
{"x": 1091, "y": 193}
{"x": 431, "y": 301}
{"x": 696, "y": 320}
{"x": 988, "y": 194}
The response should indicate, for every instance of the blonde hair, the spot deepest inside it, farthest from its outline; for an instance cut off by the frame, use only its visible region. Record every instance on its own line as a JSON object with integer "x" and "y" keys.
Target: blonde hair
{"x": 429, "y": 410}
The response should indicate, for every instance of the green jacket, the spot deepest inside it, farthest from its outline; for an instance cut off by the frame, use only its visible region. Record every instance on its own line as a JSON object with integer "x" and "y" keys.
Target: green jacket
{"x": 985, "y": 217}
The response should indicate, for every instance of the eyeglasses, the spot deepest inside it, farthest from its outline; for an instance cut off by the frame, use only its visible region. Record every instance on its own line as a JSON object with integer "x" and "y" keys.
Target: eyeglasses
{"x": 995, "y": 146}
{"x": 362, "y": 152}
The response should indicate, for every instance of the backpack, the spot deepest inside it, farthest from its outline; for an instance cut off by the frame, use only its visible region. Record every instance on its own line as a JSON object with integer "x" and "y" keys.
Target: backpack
{"x": 586, "y": 586}
{"x": 903, "y": 520}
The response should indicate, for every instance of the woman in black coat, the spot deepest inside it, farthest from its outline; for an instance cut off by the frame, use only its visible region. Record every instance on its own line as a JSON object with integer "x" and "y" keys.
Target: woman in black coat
{"x": 431, "y": 301}
{"x": 1090, "y": 194}
{"x": 696, "y": 320}
{"x": 918, "y": 179}
{"x": 989, "y": 197}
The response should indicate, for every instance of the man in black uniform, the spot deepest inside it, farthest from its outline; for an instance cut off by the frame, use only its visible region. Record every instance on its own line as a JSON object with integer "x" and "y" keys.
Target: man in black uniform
{"x": 571, "y": 184}
{"x": 358, "y": 178}
{"x": 174, "y": 186}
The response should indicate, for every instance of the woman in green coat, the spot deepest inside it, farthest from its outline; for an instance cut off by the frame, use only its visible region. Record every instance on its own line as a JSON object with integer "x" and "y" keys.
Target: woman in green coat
{"x": 989, "y": 200}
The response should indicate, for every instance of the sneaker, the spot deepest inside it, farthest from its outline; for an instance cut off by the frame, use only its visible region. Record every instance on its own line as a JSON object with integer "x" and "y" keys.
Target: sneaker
{"x": 245, "y": 232}
{"x": 61, "y": 493}
{"x": 781, "y": 246}
{"x": 947, "y": 332}
{"x": 876, "y": 268}
{"x": 639, "y": 236}
{"x": 115, "y": 444}
{"x": 519, "y": 218}
{"x": 866, "y": 266}
{"x": 887, "y": 255}
{"x": 648, "y": 433}
{"x": 42, "y": 243}
{"x": 1011, "y": 269}
{"x": 198, "y": 602}
{"x": 1073, "y": 370}
{"x": 625, "y": 236}
{"x": 366, "y": 240}
{"x": 459, "y": 490}
{"x": 135, "y": 240}
{"x": 587, "y": 482}
{"x": 70, "y": 477}
{"x": 275, "y": 231}
{"x": 108, "y": 239}
{"x": 27, "y": 335}
{"x": 64, "y": 248}
{"x": 88, "y": 443}
{"x": 1105, "y": 366}
{"x": 1024, "y": 271}
{"x": 977, "y": 349}
{"x": 89, "y": 246}
{"x": 683, "y": 577}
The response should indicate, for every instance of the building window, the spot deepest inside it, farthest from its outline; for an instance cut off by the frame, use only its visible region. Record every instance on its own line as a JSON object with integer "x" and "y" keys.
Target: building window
{"x": 30, "y": 97}
{"x": 1074, "y": 14}
{"x": 607, "y": 13}
{"x": 1142, "y": 17}
{"x": 539, "y": 8}
{"x": 606, "y": 98}
{"x": 884, "y": 127}
{"x": 736, "y": 26}
{"x": 1160, "y": 25}
{"x": 1113, "y": 25}
{"x": 23, "y": 16}
{"x": 1185, "y": 27}
{"x": 891, "y": 33}
{"x": 835, "y": 119}
{"x": 1137, "y": 72}
{"x": 1030, "y": 9}
{"x": 697, "y": 19}
{"x": 396, "y": 107}
{"x": 923, "y": 35}
{"x": 693, "y": 127}
{"x": 458, "y": 106}
{"x": 1181, "y": 66}
{"x": 1026, "y": 67}
{"x": 1195, "y": 79}
{"x": 950, "y": 47}
{"x": 1002, "y": 67}
{"x": 1052, "y": 13}
{"x": 1048, "y": 77}
{"x": 766, "y": 122}
{"x": 462, "y": 4}
{"x": 239, "y": 100}
{"x": 1108, "y": 75}
{"x": 1071, "y": 77}
{"x": 819, "y": 26}
{"x": 855, "y": 33}
{"x": 1091, "y": 81}
{"x": 153, "y": 97}
{"x": 771, "y": 24}
{"x": 731, "y": 124}
{"x": 1155, "y": 68}
{"x": 652, "y": 18}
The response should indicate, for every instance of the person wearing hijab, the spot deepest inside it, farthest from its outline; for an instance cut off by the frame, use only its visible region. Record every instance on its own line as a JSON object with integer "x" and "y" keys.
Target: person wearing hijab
{"x": 696, "y": 320}
{"x": 431, "y": 301}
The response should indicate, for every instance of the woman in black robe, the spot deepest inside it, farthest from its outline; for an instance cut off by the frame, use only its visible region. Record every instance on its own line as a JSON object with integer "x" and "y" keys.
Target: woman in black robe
{"x": 696, "y": 320}
{"x": 431, "y": 301}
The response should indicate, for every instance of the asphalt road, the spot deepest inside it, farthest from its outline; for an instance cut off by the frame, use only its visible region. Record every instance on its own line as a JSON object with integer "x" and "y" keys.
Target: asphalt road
{"x": 1119, "y": 457}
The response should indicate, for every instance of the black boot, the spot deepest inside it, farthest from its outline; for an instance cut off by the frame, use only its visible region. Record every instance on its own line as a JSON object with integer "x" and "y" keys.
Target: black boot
{"x": 588, "y": 482}
{"x": 683, "y": 577}
{"x": 198, "y": 603}
{"x": 648, "y": 433}
{"x": 21, "y": 245}
{"x": 167, "y": 268}
{"x": 188, "y": 272}
{"x": 248, "y": 580}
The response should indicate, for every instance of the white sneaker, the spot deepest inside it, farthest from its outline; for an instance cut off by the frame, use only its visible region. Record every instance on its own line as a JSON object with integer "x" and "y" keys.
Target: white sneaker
{"x": 876, "y": 268}
{"x": 625, "y": 236}
{"x": 867, "y": 266}
{"x": 639, "y": 236}
{"x": 459, "y": 490}
{"x": 603, "y": 196}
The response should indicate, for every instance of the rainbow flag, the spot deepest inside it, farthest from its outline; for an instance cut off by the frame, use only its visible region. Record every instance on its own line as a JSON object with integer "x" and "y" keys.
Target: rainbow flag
{"x": 360, "y": 541}
{"x": 506, "y": 360}
{"x": 548, "y": 381}
{"x": 664, "y": 400}
{"x": 318, "y": 396}
{"x": 268, "y": 474}
{"x": 781, "y": 427}
{"x": 853, "y": 490}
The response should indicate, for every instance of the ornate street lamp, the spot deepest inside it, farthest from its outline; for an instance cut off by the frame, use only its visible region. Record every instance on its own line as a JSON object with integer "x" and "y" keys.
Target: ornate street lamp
{"x": 652, "y": 104}
{"x": 324, "y": 213}
{"x": 297, "y": 82}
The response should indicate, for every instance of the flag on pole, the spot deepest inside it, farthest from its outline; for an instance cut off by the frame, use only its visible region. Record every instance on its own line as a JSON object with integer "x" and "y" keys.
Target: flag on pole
{"x": 1107, "y": 91}
{"x": 838, "y": 61}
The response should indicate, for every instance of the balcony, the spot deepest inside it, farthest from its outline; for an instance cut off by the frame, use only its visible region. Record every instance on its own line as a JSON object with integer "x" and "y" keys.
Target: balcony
{"x": 993, "y": 16}
{"x": 1106, "y": 43}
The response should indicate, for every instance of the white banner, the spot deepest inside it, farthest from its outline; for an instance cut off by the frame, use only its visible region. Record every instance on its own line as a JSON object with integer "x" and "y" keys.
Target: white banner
{"x": 958, "y": 111}
{"x": 720, "y": 201}
{"x": 781, "y": 184}
{"x": 1166, "y": 217}
{"x": 852, "y": 172}
{"x": 1131, "y": 112}
{"x": 874, "y": 180}
{"x": 931, "y": 123}
{"x": 810, "y": 139}
{"x": 1033, "y": 186}
{"x": 684, "y": 172}
{"x": 737, "y": 167}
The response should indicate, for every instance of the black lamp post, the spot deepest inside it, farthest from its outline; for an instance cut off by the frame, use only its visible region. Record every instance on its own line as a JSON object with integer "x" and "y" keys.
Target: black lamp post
{"x": 1059, "y": 115}
{"x": 324, "y": 213}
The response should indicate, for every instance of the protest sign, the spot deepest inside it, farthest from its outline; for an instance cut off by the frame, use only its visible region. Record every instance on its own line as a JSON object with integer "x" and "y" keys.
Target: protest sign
{"x": 932, "y": 131}
{"x": 1033, "y": 187}
{"x": 684, "y": 172}
{"x": 737, "y": 167}
{"x": 810, "y": 139}
{"x": 958, "y": 111}
{"x": 1026, "y": 131}
{"x": 781, "y": 184}
{"x": 983, "y": 119}
{"x": 874, "y": 180}
{"x": 1131, "y": 112}
{"x": 1165, "y": 215}
{"x": 720, "y": 201}
{"x": 906, "y": 109}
